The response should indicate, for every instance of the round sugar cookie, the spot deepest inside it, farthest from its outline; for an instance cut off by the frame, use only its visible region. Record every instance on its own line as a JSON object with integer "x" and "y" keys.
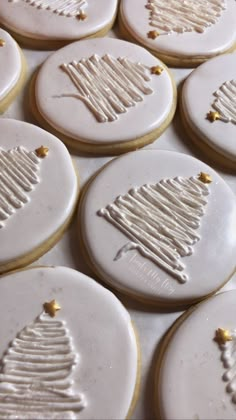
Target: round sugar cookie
{"x": 38, "y": 192}
{"x": 104, "y": 96}
{"x": 154, "y": 223}
{"x": 208, "y": 105}
{"x": 71, "y": 353}
{"x": 52, "y": 23}
{"x": 181, "y": 33}
{"x": 196, "y": 363}
{"x": 12, "y": 70}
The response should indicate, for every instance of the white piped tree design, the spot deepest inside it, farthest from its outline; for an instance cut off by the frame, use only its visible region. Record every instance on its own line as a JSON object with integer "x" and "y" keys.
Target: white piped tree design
{"x": 68, "y": 8}
{"x": 34, "y": 379}
{"x": 227, "y": 345}
{"x": 225, "y": 103}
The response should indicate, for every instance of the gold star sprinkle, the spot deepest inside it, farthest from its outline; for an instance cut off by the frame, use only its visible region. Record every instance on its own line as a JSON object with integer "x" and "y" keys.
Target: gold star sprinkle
{"x": 42, "y": 151}
{"x": 2, "y": 42}
{"x": 205, "y": 178}
{"x": 51, "y": 308}
{"x": 82, "y": 16}
{"x": 213, "y": 116}
{"x": 157, "y": 70}
{"x": 152, "y": 34}
{"x": 222, "y": 336}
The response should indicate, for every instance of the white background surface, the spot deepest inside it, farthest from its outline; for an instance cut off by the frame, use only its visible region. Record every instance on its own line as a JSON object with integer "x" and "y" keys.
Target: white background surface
{"x": 151, "y": 323}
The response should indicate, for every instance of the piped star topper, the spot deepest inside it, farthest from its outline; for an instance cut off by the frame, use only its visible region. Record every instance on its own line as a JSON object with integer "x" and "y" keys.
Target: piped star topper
{"x": 51, "y": 308}
{"x": 222, "y": 336}
{"x": 42, "y": 151}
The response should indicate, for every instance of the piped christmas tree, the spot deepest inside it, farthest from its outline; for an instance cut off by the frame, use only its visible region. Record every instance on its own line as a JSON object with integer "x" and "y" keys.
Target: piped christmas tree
{"x": 161, "y": 220}
{"x": 34, "y": 381}
{"x": 68, "y": 8}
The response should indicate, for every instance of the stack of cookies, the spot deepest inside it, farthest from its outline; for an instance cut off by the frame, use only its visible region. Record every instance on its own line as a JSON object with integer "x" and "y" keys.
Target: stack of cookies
{"x": 123, "y": 242}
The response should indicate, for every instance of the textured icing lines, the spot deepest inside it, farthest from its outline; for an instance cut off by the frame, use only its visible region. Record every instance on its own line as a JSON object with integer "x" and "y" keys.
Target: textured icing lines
{"x": 108, "y": 86}
{"x": 224, "y": 106}
{"x": 68, "y": 8}
{"x": 170, "y": 16}
{"x": 18, "y": 177}
{"x": 161, "y": 220}
{"x": 227, "y": 343}
{"x": 35, "y": 377}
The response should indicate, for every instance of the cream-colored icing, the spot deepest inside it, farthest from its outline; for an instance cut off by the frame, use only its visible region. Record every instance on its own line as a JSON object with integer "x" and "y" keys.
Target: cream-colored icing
{"x": 228, "y": 350}
{"x": 49, "y": 204}
{"x": 35, "y": 373}
{"x": 10, "y": 64}
{"x": 18, "y": 176}
{"x": 99, "y": 326}
{"x": 108, "y": 86}
{"x": 161, "y": 220}
{"x": 193, "y": 354}
{"x": 174, "y": 16}
{"x": 42, "y": 24}
{"x": 208, "y": 78}
{"x": 69, "y": 8}
{"x": 72, "y": 117}
{"x": 136, "y": 274}
{"x": 218, "y": 37}
{"x": 225, "y": 102}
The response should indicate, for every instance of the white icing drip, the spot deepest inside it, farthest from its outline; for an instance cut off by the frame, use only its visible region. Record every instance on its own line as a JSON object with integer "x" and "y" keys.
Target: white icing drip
{"x": 161, "y": 220}
{"x": 18, "y": 175}
{"x": 35, "y": 371}
{"x": 108, "y": 86}
{"x": 184, "y": 16}
{"x": 68, "y": 8}
{"x": 225, "y": 103}
{"x": 229, "y": 361}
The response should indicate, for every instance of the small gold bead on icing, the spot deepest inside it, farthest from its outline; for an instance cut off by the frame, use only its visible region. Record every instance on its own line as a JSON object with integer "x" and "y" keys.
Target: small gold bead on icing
{"x": 2, "y": 42}
{"x": 157, "y": 70}
{"x": 153, "y": 34}
{"x": 51, "y": 308}
{"x": 222, "y": 336}
{"x": 42, "y": 151}
{"x": 213, "y": 116}
{"x": 205, "y": 178}
{"x": 82, "y": 16}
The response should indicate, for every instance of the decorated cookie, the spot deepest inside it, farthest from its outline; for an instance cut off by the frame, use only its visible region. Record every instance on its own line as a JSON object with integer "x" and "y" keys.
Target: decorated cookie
{"x": 196, "y": 364}
{"x": 181, "y": 33}
{"x": 209, "y": 108}
{"x": 12, "y": 70}
{"x": 70, "y": 354}
{"x": 38, "y": 192}
{"x": 105, "y": 96}
{"x": 52, "y": 23}
{"x": 153, "y": 224}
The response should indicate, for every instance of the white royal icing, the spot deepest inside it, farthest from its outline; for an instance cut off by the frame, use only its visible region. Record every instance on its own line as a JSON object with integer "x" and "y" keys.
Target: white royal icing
{"x": 161, "y": 220}
{"x": 108, "y": 86}
{"x": 228, "y": 350}
{"x": 35, "y": 373}
{"x": 64, "y": 367}
{"x": 225, "y": 102}
{"x": 186, "y": 16}
{"x": 69, "y": 8}
{"x": 18, "y": 176}
{"x": 10, "y": 64}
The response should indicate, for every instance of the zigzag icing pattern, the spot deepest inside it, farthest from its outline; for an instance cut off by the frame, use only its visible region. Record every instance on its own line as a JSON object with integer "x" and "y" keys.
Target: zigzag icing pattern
{"x": 184, "y": 16}
{"x": 69, "y": 8}
{"x": 225, "y": 102}
{"x": 161, "y": 220}
{"x": 229, "y": 361}
{"x": 108, "y": 86}
{"x": 18, "y": 176}
{"x": 34, "y": 380}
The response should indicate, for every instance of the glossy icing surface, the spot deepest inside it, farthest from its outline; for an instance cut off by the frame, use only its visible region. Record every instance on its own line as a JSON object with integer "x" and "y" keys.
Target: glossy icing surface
{"x": 10, "y": 64}
{"x": 213, "y": 83}
{"x": 219, "y": 36}
{"x": 136, "y": 272}
{"x": 195, "y": 356}
{"x": 92, "y": 325}
{"x": 58, "y": 102}
{"x": 36, "y": 203}
{"x": 27, "y": 19}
